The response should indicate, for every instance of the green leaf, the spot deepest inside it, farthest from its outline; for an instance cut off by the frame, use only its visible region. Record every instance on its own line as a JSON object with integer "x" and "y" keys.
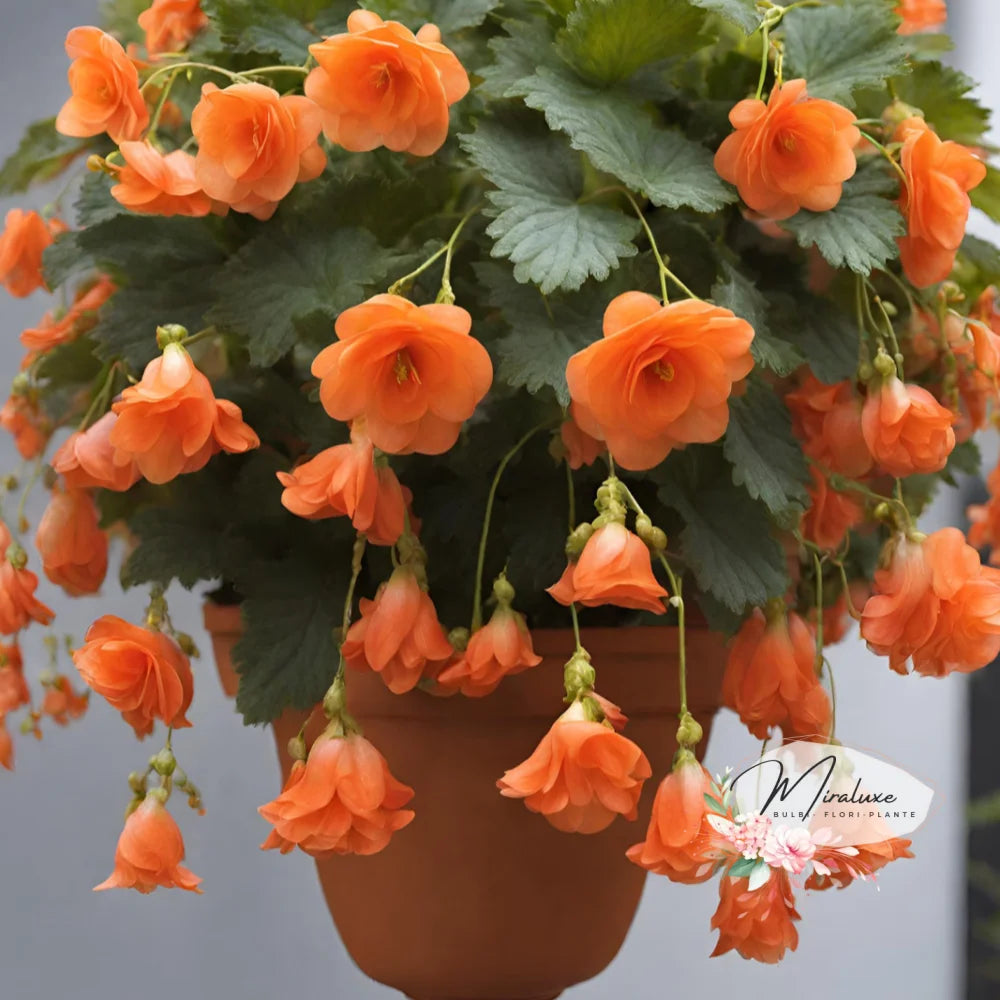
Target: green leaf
{"x": 743, "y": 868}
{"x": 288, "y": 655}
{"x": 449, "y": 15}
{"x": 94, "y": 203}
{"x": 715, "y": 806}
{"x": 543, "y": 334}
{"x": 293, "y": 279}
{"x": 608, "y": 40}
{"x": 741, "y": 12}
{"x": 738, "y": 293}
{"x": 541, "y": 226}
{"x": 726, "y": 540}
{"x": 42, "y": 155}
{"x": 620, "y": 137}
{"x": 820, "y": 331}
{"x": 839, "y": 49}
{"x": 261, "y": 27}
{"x": 517, "y": 54}
{"x": 942, "y": 94}
{"x": 860, "y": 231}
{"x": 983, "y": 256}
{"x": 765, "y": 456}
{"x": 986, "y": 197}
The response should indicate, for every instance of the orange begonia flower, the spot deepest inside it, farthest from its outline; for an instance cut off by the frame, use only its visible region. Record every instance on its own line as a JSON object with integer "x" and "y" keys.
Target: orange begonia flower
{"x": 501, "y": 648}
{"x": 74, "y": 322}
{"x": 18, "y": 604}
{"x": 660, "y": 378}
{"x": 935, "y": 604}
{"x": 413, "y": 372}
{"x": 759, "y": 924}
{"x": 61, "y": 703}
{"x": 105, "y": 86}
{"x": 581, "y": 775}
{"x": 793, "y": 152}
{"x": 342, "y": 800}
{"x": 73, "y": 548}
{"x": 22, "y": 243}
{"x": 6, "y": 746}
{"x": 153, "y": 184}
{"x": 831, "y": 515}
{"x": 398, "y": 635}
{"x": 921, "y": 15}
{"x": 171, "y": 24}
{"x": 614, "y": 568}
{"x": 347, "y": 480}
{"x": 21, "y": 417}
{"x": 934, "y": 200}
{"x": 984, "y": 527}
{"x": 150, "y": 851}
{"x": 827, "y": 420}
{"x": 254, "y": 145}
{"x": 867, "y": 859}
{"x": 581, "y": 449}
{"x": 680, "y": 842}
{"x": 771, "y": 680}
{"x": 86, "y": 459}
{"x": 906, "y": 429}
{"x": 170, "y": 421}
{"x": 141, "y": 672}
{"x": 380, "y": 85}
{"x": 14, "y": 691}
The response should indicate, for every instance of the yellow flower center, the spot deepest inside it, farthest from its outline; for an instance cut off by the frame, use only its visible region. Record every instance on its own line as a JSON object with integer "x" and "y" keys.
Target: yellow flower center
{"x": 665, "y": 370}
{"x": 404, "y": 368}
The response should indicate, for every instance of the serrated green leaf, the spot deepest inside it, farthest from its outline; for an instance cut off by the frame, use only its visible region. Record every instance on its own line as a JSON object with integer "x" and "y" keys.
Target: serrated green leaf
{"x": 942, "y": 94}
{"x": 262, "y": 27}
{"x": 94, "y": 203}
{"x": 42, "y": 154}
{"x": 839, "y": 49}
{"x": 737, "y": 293}
{"x": 551, "y": 238}
{"x": 449, "y": 15}
{"x": 294, "y": 278}
{"x": 608, "y": 40}
{"x": 620, "y": 137}
{"x": 543, "y": 334}
{"x": 741, "y": 12}
{"x": 983, "y": 255}
{"x": 986, "y": 196}
{"x": 765, "y": 456}
{"x": 860, "y": 231}
{"x": 516, "y": 55}
{"x": 820, "y": 331}
{"x": 726, "y": 540}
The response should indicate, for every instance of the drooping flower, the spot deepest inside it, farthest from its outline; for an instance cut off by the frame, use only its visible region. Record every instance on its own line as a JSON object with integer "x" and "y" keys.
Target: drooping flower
{"x": 413, "y": 372}
{"x": 580, "y": 448}
{"x": 661, "y": 377}
{"x": 14, "y": 691}
{"x": 501, "y": 648}
{"x": 22, "y": 418}
{"x": 170, "y": 422}
{"x": 18, "y": 604}
{"x": 921, "y": 15}
{"x": 170, "y": 24}
{"x": 984, "y": 528}
{"x": 581, "y": 775}
{"x": 759, "y": 924}
{"x": 105, "y": 86}
{"x": 680, "y": 842}
{"x": 343, "y": 800}
{"x": 839, "y": 868}
{"x": 934, "y": 603}
{"x": 141, "y": 672}
{"x": 6, "y": 746}
{"x": 770, "y": 677}
{"x": 398, "y": 635}
{"x": 831, "y": 515}
{"x": 347, "y": 480}
{"x": 61, "y": 703}
{"x": 73, "y": 548}
{"x": 906, "y": 429}
{"x": 151, "y": 183}
{"x": 793, "y": 152}
{"x": 254, "y": 145}
{"x": 827, "y": 420}
{"x": 56, "y": 329}
{"x": 934, "y": 201}
{"x": 380, "y": 85}
{"x": 87, "y": 459}
{"x": 614, "y": 568}
{"x": 149, "y": 852}
{"x": 25, "y": 237}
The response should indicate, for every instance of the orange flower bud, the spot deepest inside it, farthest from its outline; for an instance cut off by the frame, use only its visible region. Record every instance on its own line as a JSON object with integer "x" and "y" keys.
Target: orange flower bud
{"x": 73, "y": 548}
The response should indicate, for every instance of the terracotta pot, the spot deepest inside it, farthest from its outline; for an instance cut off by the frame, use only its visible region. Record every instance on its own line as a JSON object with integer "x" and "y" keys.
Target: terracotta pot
{"x": 480, "y": 899}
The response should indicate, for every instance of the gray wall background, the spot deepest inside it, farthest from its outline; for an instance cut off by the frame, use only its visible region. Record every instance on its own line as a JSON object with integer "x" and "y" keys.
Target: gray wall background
{"x": 261, "y": 930}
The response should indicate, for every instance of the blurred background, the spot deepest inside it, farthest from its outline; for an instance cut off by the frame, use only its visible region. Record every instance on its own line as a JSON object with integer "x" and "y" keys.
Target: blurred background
{"x": 262, "y": 931}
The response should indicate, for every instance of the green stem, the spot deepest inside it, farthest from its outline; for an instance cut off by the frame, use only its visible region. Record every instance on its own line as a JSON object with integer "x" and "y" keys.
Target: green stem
{"x": 446, "y": 294}
{"x": 36, "y": 472}
{"x": 665, "y": 271}
{"x": 357, "y": 558}
{"x": 477, "y": 600}
{"x": 833, "y": 698}
{"x": 677, "y": 600}
{"x": 572, "y": 497}
{"x": 576, "y": 625}
{"x": 154, "y": 122}
{"x": 885, "y": 152}
{"x": 818, "y": 564}
{"x": 100, "y": 401}
{"x": 177, "y": 67}
{"x": 765, "y": 35}
{"x": 194, "y": 338}
{"x": 402, "y": 284}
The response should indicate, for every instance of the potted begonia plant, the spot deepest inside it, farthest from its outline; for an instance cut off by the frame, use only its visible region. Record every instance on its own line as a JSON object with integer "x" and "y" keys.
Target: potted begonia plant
{"x": 470, "y": 356}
